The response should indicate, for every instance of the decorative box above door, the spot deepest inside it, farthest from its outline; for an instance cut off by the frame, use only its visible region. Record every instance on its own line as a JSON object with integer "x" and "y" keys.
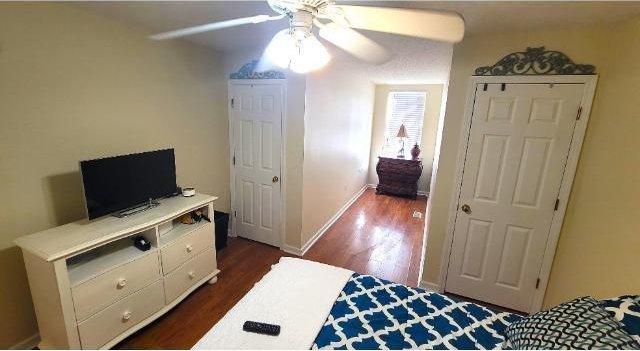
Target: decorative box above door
{"x": 398, "y": 176}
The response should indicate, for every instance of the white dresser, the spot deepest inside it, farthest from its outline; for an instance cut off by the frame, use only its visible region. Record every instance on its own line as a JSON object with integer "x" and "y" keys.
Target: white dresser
{"x": 92, "y": 288}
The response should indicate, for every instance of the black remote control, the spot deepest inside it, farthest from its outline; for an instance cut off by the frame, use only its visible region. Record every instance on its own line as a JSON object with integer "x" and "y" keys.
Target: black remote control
{"x": 261, "y": 328}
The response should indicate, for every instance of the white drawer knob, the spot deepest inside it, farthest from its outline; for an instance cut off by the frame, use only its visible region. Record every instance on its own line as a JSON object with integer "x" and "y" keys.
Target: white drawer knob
{"x": 192, "y": 275}
{"x": 121, "y": 283}
{"x": 126, "y": 316}
{"x": 189, "y": 248}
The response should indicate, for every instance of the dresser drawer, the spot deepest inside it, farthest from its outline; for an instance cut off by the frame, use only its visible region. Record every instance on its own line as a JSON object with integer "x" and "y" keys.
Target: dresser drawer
{"x": 117, "y": 318}
{"x": 95, "y": 294}
{"x": 187, "y": 247}
{"x": 185, "y": 276}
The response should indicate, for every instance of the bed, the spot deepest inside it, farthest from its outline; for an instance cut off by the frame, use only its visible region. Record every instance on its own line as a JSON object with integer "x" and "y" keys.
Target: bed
{"x": 325, "y": 307}
{"x": 372, "y": 313}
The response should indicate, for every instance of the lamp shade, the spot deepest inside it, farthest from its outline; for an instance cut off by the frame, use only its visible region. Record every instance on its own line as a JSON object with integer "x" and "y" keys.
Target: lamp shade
{"x": 402, "y": 132}
{"x": 298, "y": 50}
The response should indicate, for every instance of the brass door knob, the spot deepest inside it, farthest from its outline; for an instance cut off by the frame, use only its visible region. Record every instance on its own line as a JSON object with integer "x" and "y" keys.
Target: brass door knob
{"x": 275, "y": 179}
{"x": 466, "y": 209}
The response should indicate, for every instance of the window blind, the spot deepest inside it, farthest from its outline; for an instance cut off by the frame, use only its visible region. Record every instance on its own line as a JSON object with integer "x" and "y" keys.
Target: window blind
{"x": 404, "y": 107}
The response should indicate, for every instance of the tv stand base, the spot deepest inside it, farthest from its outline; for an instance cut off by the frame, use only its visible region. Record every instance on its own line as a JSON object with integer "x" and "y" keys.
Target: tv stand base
{"x": 136, "y": 209}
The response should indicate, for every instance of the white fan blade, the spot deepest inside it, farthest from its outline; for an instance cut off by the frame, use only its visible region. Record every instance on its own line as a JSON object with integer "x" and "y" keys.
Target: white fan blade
{"x": 442, "y": 26}
{"x": 213, "y": 26}
{"x": 354, "y": 43}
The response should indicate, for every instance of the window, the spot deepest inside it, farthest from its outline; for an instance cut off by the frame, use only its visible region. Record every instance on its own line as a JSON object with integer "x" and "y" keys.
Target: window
{"x": 404, "y": 107}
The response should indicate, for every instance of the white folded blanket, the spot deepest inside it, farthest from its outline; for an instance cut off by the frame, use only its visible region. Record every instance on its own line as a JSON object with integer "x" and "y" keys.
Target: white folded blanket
{"x": 296, "y": 294}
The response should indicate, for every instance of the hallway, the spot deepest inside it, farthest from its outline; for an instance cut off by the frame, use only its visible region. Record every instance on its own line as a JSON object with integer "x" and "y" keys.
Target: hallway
{"x": 377, "y": 235}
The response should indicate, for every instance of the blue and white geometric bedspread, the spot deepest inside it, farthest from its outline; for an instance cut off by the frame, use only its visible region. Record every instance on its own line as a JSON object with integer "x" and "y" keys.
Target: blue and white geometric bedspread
{"x": 373, "y": 313}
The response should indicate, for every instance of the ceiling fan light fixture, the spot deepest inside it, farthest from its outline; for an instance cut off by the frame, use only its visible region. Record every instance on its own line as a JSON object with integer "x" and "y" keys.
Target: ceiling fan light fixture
{"x": 298, "y": 50}
{"x": 311, "y": 56}
{"x": 281, "y": 48}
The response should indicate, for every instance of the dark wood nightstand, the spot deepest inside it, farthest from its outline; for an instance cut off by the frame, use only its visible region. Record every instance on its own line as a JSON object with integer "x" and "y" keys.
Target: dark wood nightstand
{"x": 398, "y": 176}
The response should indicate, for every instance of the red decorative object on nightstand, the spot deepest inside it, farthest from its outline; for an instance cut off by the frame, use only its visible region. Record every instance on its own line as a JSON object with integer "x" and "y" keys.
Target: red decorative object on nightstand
{"x": 415, "y": 152}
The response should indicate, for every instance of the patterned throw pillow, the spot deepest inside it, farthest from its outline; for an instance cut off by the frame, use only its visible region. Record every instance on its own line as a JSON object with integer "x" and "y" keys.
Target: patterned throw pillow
{"x": 626, "y": 310}
{"x": 577, "y": 324}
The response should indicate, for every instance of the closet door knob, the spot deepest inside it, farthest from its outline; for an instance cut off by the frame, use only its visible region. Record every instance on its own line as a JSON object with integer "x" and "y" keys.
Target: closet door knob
{"x": 121, "y": 283}
{"x": 192, "y": 275}
{"x": 466, "y": 209}
{"x": 189, "y": 248}
{"x": 126, "y": 316}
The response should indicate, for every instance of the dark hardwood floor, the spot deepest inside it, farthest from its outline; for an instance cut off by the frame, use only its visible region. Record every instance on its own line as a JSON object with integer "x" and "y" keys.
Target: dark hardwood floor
{"x": 377, "y": 235}
{"x": 242, "y": 263}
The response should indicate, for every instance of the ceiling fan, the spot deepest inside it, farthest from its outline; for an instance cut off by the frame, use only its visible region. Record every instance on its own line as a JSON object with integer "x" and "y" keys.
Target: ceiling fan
{"x": 298, "y": 49}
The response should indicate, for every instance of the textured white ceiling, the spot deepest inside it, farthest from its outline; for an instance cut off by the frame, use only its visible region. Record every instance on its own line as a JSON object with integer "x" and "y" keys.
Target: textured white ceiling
{"x": 161, "y": 16}
{"x": 480, "y": 16}
{"x": 415, "y": 60}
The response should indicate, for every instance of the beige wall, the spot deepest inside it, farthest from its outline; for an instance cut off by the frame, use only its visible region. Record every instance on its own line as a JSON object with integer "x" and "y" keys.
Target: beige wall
{"x": 339, "y": 108}
{"x": 76, "y": 86}
{"x": 599, "y": 246}
{"x": 429, "y": 128}
{"x": 597, "y": 251}
{"x": 294, "y": 144}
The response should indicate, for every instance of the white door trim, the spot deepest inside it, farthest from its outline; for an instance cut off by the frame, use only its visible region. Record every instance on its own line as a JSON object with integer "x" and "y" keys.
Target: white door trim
{"x": 590, "y": 82}
{"x": 283, "y": 179}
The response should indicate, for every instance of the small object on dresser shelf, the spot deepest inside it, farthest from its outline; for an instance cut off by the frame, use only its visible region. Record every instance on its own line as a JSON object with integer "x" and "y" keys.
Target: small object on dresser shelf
{"x": 188, "y": 192}
{"x": 187, "y": 219}
{"x": 198, "y": 215}
{"x": 261, "y": 328}
{"x": 415, "y": 152}
{"x": 203, "y": 216}
{"x": 141, "y": 243}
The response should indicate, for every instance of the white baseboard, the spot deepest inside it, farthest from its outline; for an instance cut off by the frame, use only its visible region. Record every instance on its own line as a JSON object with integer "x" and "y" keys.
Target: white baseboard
{"x": 291, "y": 250}
{"x": 420, "y": 192}
{"x": 331, "y": 221}
{"x": 429, "y": 286}
{"x": 29, "y": 343}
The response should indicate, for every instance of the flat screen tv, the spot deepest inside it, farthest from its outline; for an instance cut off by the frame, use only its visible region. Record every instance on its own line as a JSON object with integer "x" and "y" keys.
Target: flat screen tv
{"x": 118, "y": 183}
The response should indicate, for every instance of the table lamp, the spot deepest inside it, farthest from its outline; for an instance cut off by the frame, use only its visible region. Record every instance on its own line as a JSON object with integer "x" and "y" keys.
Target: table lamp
{"x": 402, "y": 133}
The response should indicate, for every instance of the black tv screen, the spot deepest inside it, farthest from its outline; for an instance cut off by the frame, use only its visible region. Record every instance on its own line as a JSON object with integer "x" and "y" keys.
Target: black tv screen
{"x": 117, "y": 183}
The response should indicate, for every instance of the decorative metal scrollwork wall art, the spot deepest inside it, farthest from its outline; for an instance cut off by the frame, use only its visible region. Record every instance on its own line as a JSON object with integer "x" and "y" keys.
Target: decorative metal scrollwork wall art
{"x": 535, "y": 61}
{"x": 248, "y": 71}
